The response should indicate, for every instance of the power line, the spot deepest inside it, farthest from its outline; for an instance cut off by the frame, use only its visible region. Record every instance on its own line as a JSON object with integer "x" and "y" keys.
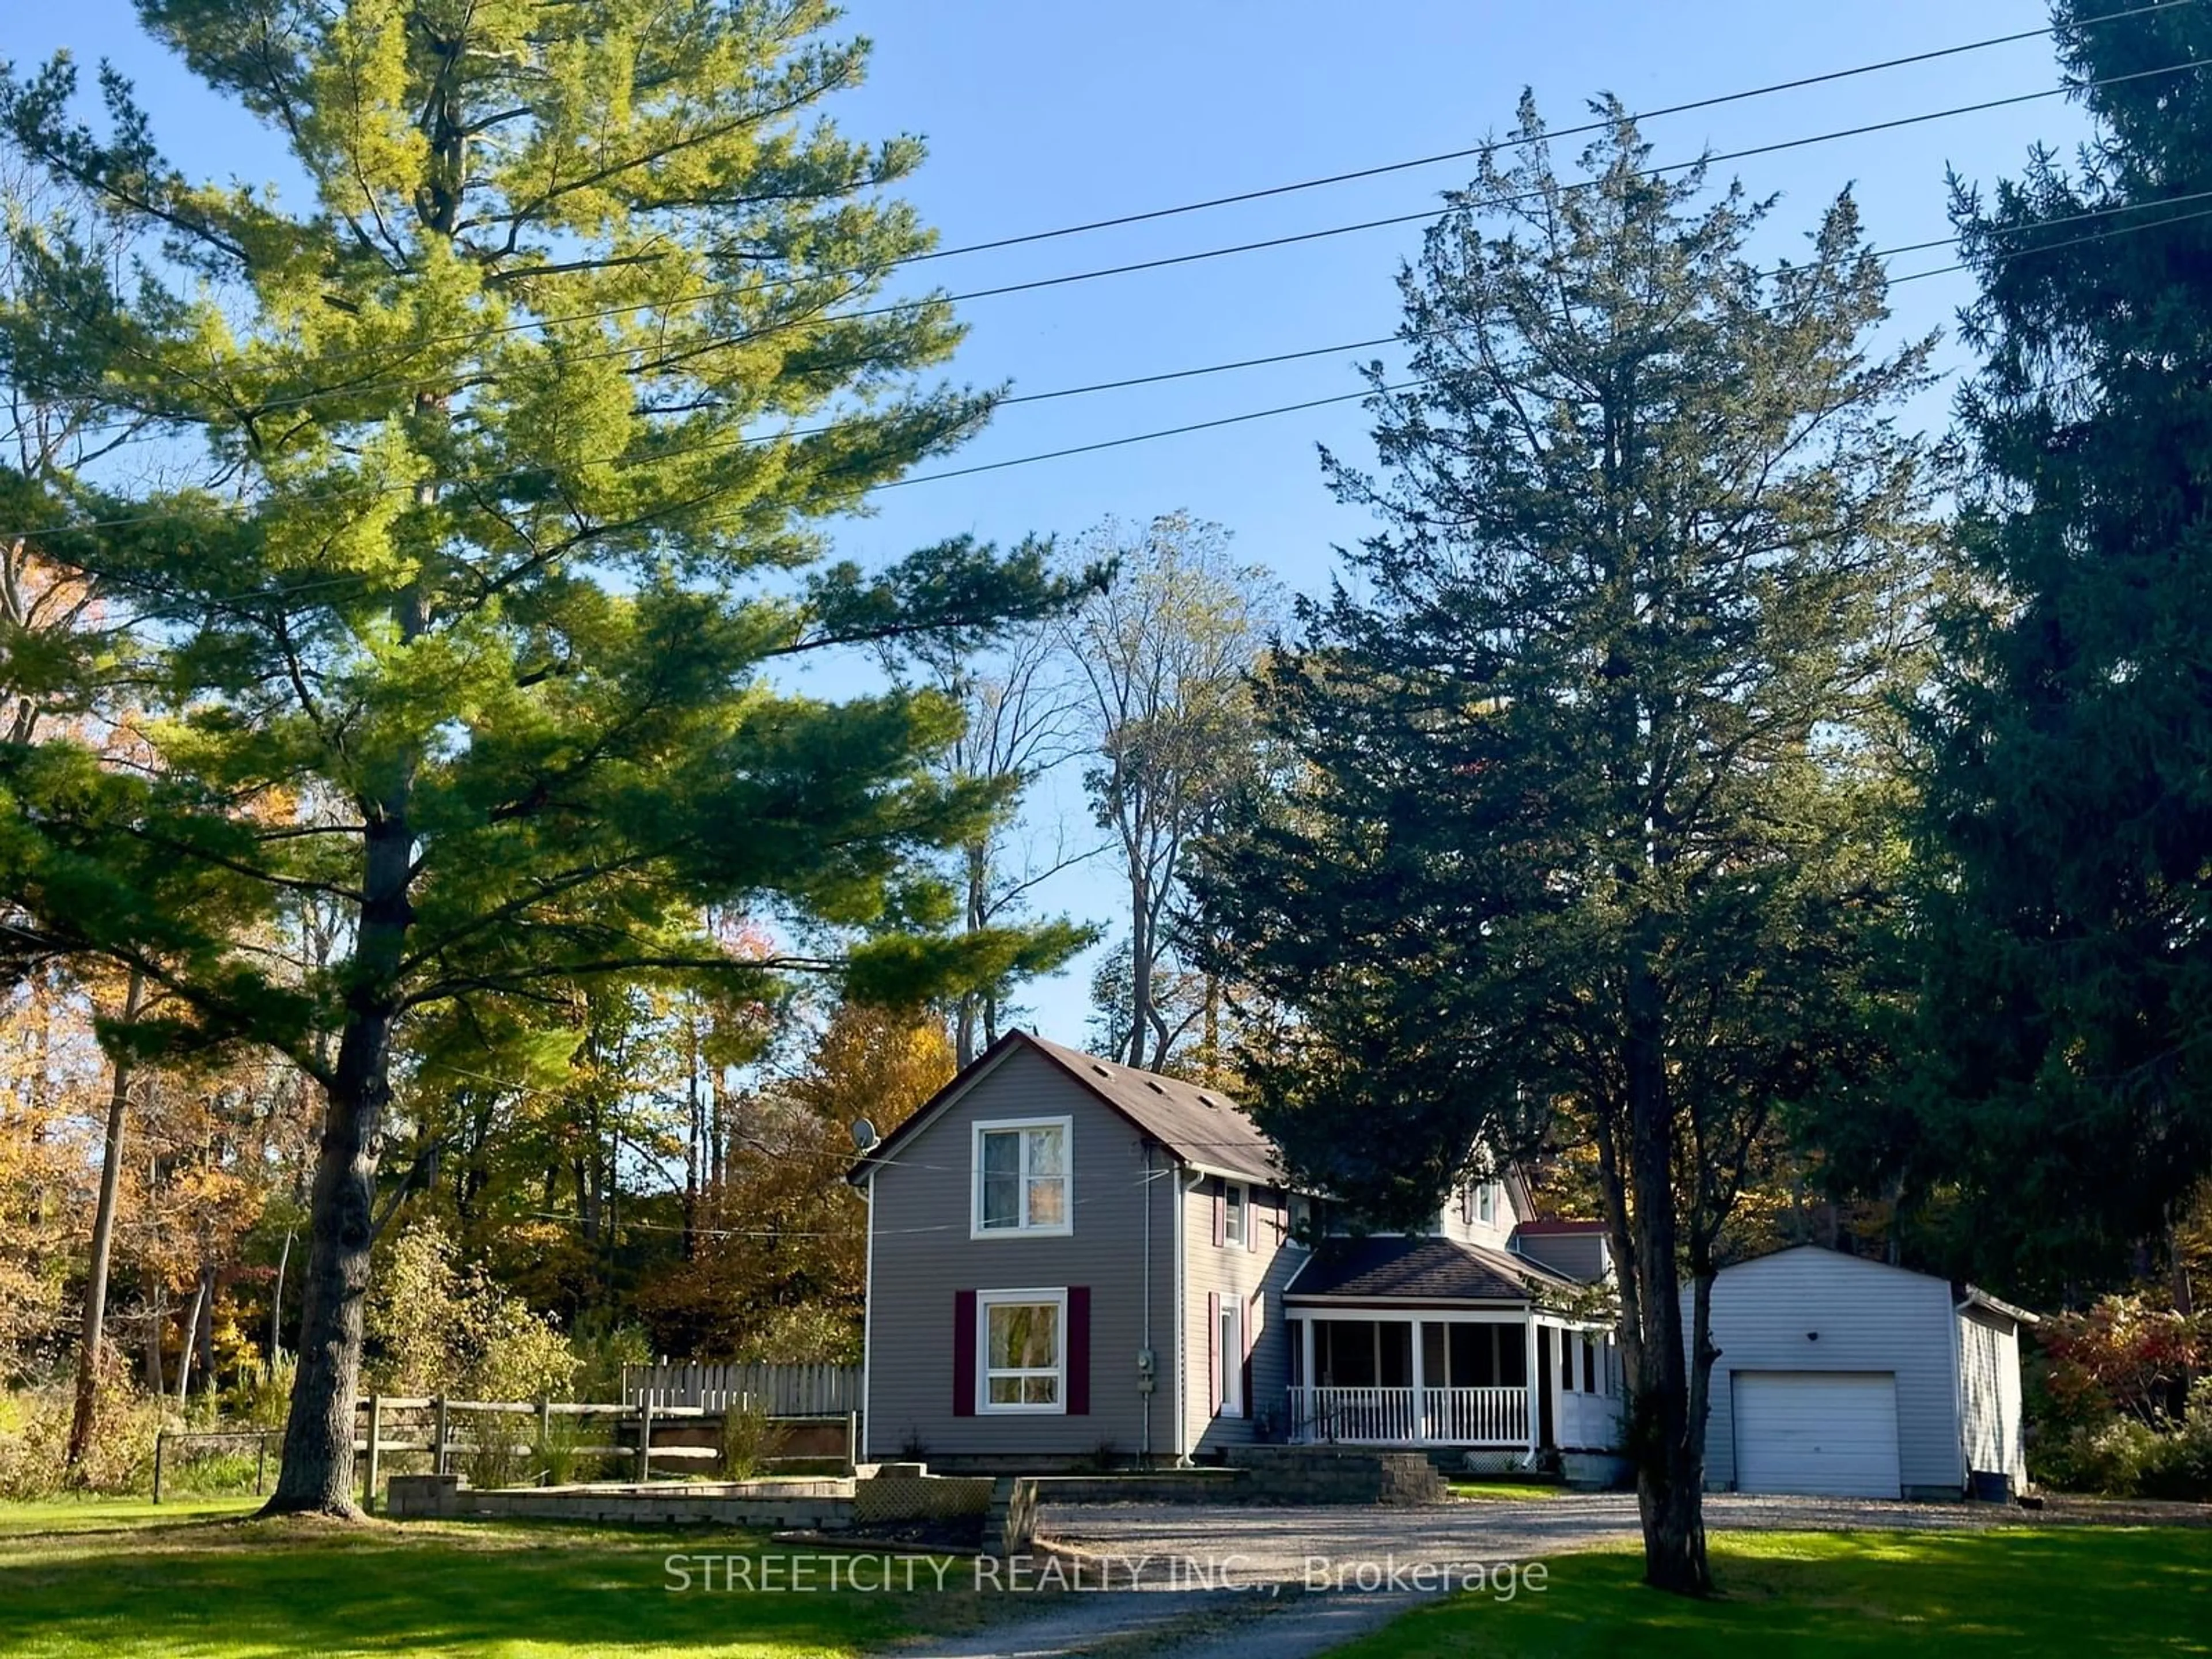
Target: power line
{"x": 718, "y": 445}
{"x": 1492, "y": 147}
{"x": 1066, "y": 278}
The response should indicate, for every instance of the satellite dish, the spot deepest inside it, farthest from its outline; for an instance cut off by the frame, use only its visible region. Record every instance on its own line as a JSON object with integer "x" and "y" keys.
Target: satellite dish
{"x": 864, "y": 1133}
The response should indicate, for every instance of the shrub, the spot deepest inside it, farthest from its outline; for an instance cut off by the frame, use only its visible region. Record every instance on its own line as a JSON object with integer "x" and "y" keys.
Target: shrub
{"x": 261, "y": 1399}
{"x": 558, "y": 1451}
{"x": 35, "y": 1425}
{"x": 493, "y": 1455}
{"x": 440, "y": 1328}
{"x": 2125, "y": 1456}
{"x": 2126, "y": 1355}
{"x": 602, "y": 1349}
{"x": 210, "y": 1469}
{"x": 747, "y": 1432}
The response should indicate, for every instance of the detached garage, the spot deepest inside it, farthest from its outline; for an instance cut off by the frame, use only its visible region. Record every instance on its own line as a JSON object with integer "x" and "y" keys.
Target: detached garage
{"x": 1853, "y": 1379}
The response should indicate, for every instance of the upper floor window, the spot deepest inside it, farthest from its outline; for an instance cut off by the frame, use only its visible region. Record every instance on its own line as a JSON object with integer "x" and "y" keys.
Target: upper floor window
{"x": 1021, "y": 1178}
{"x": 1235, "y": 1212}
{"x": 1485, "y": 1202}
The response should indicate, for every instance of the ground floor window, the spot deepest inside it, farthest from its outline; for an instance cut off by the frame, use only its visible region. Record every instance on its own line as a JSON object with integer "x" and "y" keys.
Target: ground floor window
{"x": 1022, "y": 1335}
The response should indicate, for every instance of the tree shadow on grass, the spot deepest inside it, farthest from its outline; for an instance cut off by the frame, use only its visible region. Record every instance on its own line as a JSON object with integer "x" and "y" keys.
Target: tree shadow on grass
{"x": 231, "y": 1589}
{"x": 2015, "y": 1592}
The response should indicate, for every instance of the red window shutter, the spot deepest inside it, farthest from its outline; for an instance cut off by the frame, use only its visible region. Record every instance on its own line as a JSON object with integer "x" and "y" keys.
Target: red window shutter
{"x": 1213, "y": 1353}
{"x": 1220, "y": 1213}
{"x": 1079, "y": 1350}
{"x": 1253, "y": 1310}
{"x": 965, "y": 1340}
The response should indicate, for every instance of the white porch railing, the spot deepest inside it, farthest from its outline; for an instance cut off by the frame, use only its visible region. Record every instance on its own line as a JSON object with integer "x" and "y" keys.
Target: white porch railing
{"x": 1457, "y": 1417}
{"x": 1477, "y": 1417}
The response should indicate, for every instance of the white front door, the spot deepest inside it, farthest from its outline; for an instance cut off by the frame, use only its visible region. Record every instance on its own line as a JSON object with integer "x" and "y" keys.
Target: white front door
{"x": 1833, "y": 1433}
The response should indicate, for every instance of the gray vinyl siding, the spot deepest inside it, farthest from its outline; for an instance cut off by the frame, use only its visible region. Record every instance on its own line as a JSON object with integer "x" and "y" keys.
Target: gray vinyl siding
{"x": 1493, "y": 1233}
{"x": 922, "y": 1257}
{"x": 1869, "y": 1318}
{"x": 1227, "y": 1271}
{"x": 1989, "y": 1388}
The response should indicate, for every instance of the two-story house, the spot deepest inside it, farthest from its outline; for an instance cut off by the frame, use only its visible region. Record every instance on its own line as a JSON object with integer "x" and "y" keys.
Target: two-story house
{"x": 1071, "y": 1259}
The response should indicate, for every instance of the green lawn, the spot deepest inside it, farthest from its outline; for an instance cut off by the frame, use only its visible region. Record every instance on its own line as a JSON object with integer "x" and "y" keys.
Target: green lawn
{"x": 2113, "y": 1592}
{"x": 1517, "y": 1491}
{"x": 100, "y": 1580}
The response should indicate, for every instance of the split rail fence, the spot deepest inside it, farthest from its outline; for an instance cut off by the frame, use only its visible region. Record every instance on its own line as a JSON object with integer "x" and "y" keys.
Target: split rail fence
{"x": 647, "y": 1436}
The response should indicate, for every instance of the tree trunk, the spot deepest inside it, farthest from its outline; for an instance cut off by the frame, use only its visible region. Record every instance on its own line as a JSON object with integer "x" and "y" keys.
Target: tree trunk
{"x": 276, "y": 1306}
{"x": 970, "y": 1011}
{"x": 157, "y": 1314}
{"x": 94, "y": 1335}
{"x": 317, "y": 1473}
{"x": 694, "y": 1143}
{"x": 191, "y": 1336}
{"x": 1665, "y": 1437}
{"x": 204, "y": 1327}
{"x": 1141, "y": 971}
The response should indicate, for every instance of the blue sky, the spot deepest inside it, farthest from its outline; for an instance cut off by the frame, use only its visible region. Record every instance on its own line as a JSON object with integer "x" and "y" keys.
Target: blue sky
{"x": 1040, "y": 115}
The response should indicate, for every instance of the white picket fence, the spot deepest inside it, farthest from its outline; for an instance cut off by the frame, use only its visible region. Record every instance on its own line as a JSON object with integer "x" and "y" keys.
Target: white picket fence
{"x": 787, "y": 1390}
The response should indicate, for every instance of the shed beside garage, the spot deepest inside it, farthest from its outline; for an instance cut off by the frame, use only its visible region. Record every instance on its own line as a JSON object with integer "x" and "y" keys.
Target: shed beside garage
{"x": 1843, "y": 1376}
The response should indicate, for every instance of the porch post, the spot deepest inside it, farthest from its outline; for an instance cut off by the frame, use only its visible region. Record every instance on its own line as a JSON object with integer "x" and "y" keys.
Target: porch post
{"x": 1532, "y": 1372}
{"x": 1420, "y": 1424}
{"x": 1306, "y": 1352}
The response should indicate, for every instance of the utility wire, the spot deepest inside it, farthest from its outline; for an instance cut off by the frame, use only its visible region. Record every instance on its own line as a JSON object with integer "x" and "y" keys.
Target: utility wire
{"x": 1487, "y": 148}
{"x": 720, "y": 445}
{"x": 1492, "y": 147}
{"x": 1163, "y": 262}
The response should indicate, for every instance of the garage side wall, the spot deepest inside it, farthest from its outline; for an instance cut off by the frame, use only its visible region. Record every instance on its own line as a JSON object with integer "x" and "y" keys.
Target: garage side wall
{"x": 1811, "y": 1310}
{"x": 1989, "y": 1385}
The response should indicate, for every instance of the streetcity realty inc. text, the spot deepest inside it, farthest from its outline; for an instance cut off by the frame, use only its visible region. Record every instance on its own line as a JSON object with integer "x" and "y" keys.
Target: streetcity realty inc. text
{"x": 835, "y": 1569}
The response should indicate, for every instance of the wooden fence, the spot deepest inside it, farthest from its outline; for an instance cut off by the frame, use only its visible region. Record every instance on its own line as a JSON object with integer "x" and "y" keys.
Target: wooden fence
{"x": 786, "y": 1390}
{"x": 643, "y": 1435}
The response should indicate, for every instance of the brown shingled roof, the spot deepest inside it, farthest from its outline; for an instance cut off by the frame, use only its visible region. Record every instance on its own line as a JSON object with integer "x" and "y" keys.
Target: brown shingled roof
{"x": 1377, "y": 1269}
{"x": 1200, "y": 1126}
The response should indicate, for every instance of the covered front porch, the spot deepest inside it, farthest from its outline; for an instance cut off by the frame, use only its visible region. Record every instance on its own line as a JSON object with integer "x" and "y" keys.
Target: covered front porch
{"x": 1481, "y": 1379}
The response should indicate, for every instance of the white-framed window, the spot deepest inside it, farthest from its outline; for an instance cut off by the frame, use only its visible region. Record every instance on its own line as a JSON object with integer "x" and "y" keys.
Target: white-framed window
{"x": 1236, "y": 1213}
{"x": 1021, "y": 1342}
{"x": 1229, "y": 1340}
{"x": 1022, "y": 1176}
{"x": 1485, "y": 1202}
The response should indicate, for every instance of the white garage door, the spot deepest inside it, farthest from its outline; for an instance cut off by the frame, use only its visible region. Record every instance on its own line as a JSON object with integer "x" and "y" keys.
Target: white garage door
{"x": 1831, "y": 1432}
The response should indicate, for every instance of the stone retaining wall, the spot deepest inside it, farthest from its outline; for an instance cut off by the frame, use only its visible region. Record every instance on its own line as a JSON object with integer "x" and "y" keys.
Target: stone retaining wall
{"x": 816, "y": 1505}
{"x": 1328, "y": 1475}
{"x": 907, "y": 1494}
{"x": 1176, "y": 1487}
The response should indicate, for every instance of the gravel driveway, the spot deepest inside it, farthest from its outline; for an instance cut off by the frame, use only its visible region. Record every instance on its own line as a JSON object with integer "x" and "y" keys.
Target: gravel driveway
{"x": 1248, "y": 1584}
{"x": 1279, "y": 1545}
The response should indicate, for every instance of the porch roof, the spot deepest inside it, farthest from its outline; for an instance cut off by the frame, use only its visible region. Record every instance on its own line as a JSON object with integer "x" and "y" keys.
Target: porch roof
{"x": 1417, "y": 1269}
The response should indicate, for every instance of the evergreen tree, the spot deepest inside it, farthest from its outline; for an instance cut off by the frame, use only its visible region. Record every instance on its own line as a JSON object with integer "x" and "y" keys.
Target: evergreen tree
{"x": 522, "y": 429}
{"x": 2068, "y": 822}
{"x": 1584, "y": 839}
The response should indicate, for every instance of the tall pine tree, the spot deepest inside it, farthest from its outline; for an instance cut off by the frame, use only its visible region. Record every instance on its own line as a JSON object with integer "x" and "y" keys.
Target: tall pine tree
{"x": 2068, "y": 823}
{"x": 522, "y": 429}
{"x": 1585, "y": 840}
